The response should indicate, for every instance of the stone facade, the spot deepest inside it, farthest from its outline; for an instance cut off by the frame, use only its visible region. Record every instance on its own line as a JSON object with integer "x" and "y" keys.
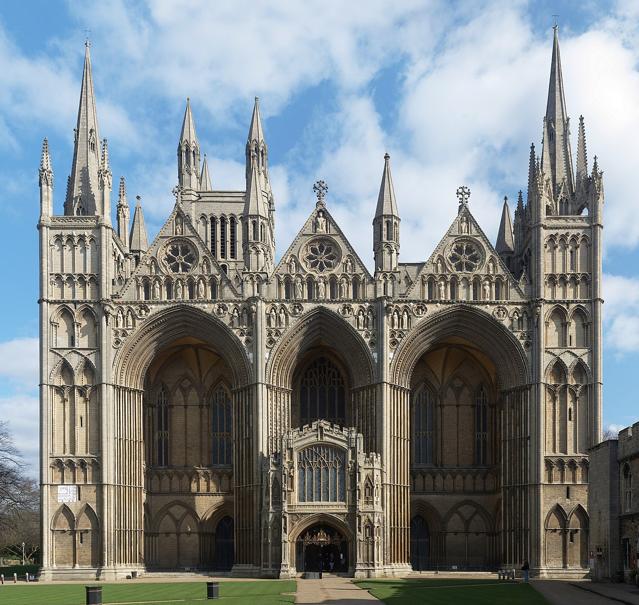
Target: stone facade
{"x": 613, "y": 502}
{"x": 205, "y": 405}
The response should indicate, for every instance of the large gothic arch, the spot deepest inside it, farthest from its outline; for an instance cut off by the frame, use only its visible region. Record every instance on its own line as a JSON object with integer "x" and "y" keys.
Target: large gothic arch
{"x": 469, "y": 323}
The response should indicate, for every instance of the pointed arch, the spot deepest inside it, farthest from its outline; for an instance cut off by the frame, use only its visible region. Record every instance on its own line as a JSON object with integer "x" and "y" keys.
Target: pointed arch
{"x": 64, "y": 329}
{"x": 556, "y": 327}
{"x": 557, "y": 372}
{"x": 88, "y": 328}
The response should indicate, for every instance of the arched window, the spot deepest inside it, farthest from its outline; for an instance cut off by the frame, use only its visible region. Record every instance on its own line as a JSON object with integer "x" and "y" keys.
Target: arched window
{"x": 431, "y": 289}
{"x": 262, "y": 238}
{"x": 355, "y": 287}
{"x": 627, "y": 488}
{"x": 389, "y": 230}
{"x": 288, "y": 289}
{"x": 481, "y": 427}
{"x": 223, "y": 237}
{"x": 221, "y": 431}
{"x": 322, "y": 393}
{"x": 321, "y": 474}
{"x": 453, "y": 289}
{"x": 214, "y": 237}
{"x": 224, "y": 544}
{"x": 423, "y": 406}
{"x": 162, "y": 427}
{"x": 233, "y": 237}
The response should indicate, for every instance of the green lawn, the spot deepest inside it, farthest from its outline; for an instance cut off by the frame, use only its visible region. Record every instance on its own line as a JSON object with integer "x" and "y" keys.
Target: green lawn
{"x": 265, "y": 592}
{"x": 448, "y": 592}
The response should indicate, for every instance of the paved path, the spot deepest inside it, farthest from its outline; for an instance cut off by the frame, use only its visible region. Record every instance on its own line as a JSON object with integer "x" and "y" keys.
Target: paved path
{"x": 334, "y": 590}
{"x": 561, "y": 592}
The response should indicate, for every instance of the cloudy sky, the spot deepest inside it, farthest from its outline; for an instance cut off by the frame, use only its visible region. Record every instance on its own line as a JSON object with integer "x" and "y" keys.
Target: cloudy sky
{"x": 454, "y": 91}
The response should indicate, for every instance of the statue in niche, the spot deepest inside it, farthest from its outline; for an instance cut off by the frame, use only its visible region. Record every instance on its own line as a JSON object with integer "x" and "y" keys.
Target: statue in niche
{"x": 463, "y": 224}
{"x": 320, "y": 223}
{"x": 299, "y": 289}
{"x": 348, "y": 265}
{"x": 442, "y": 290}
{"x": 235, "y": 318}
{"x": 486, "y": 290}
{"x": 292, "y": 267}
{"x": 200, "y": 289}
{"x": 156, "y": 291}
{"x": 321, "y": 289}
{"x": 178, "y": 291}
{"x": 343, "y": 288}
{"x": 272, "y": 317}
{"x": 282, "y": 317}
{"x": 178, "y": 225}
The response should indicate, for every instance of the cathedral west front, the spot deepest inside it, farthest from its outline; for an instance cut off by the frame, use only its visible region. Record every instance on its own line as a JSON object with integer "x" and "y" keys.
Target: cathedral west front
{"x": 206, "y": 406}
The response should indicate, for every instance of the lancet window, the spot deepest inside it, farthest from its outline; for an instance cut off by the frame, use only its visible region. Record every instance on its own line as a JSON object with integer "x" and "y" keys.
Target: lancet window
{"x": 321, "y": 474}
{"x": 221, "y": 431}
{"x": 322, "y": 393}
{"x": 481, "y": 427}
{"x": 423, "y": 429}
{"x": 162, "y": 427}
{"x": 627, "y": 488}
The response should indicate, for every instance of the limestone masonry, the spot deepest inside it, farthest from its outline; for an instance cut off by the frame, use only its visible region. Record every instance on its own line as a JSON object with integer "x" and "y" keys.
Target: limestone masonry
{"x": 204, "y": 406}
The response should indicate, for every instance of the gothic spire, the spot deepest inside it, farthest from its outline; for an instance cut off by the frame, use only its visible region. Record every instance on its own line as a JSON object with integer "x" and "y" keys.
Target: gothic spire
{"x": 532, "y": 172}
{"x": 83, "y": 182}
{"x": 386, "y": 204}
{"x": 505, "y": 240}
{"x": 256, "y": 148}
{"x": 205, "y": 177}
{"x": 255, "y": 130}
{"x": 582, "y": 158}
{"x": 45, "y": 175}
{"x": 188, "y": 152}
{"x": 139, "y": 241}
{"x": 123, "y": 214}
{"x": 556, "y": 154}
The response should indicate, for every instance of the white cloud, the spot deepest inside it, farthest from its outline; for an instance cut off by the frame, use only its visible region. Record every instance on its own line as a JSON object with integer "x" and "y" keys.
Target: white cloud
{"x": 23, "y": 416}
{"x": 621, "y": 313}
{"x": 19, "y": 362}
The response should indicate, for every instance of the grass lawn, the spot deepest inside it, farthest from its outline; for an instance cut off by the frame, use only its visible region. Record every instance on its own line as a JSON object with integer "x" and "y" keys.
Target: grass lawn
{"x": 448, "y": 592}
{"x": 266, "y": 592}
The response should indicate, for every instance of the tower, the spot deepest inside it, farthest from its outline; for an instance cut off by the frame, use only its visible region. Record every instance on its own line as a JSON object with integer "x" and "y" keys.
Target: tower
{"x": 386, "y": 233}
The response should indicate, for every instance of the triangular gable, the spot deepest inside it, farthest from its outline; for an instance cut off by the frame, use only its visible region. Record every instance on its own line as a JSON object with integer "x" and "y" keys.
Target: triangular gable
{"x": 320, "y": 227}
{"x": 177, "y": 226}
{"x": 445, "y": 260}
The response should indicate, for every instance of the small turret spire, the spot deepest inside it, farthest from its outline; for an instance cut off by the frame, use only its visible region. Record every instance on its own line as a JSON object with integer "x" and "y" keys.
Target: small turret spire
{"x": 205, "y": 178}
{"x": 139, "y": 242}
{"x": 255, "y": 130}
{"x": 257, "y": 149}
{"x": 83, "y": 182}
{"x": 505, "y": 239}
{"x": 188, "y": 152}
{"x": 386, "y": 224}
{"x": 123, "y": 214}
{"x": 582, "y": 158}
{"x": 45, "y": 175}
{"x": 386, "y": 204}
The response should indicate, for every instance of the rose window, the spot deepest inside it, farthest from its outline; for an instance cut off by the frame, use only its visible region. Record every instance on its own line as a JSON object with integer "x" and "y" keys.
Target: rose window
{"x": 464, "y": 257}
{"x": 321, "y": 255}
{"x": 180, "y": 257}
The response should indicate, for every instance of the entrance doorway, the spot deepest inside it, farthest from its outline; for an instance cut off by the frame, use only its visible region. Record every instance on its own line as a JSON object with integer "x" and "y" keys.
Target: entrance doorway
{"x": 419, "y": 543}
{"x": 322, "y": 548}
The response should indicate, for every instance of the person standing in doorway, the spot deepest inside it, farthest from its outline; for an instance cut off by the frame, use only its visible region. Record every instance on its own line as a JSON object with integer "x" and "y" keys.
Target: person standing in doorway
{"x": 525, "y": 569}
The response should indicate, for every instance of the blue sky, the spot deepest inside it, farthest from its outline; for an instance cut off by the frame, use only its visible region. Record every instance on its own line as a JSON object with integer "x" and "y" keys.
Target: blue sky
{"x": 454, "y": 91}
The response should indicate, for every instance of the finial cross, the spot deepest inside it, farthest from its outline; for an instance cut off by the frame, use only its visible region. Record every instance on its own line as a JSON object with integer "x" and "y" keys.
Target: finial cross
{"x": 463, "y": 193}
{"x": 320, "y": 188}
{"x": 87, "y": 37}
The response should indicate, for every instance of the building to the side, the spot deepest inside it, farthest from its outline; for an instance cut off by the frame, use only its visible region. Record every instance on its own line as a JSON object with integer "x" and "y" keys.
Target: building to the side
{"x": 205, "y": 405}
{"x": 613, "y": 503}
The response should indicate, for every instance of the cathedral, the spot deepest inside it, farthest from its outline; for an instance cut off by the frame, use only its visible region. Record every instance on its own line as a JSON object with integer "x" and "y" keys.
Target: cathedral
{"x": 208, "y": 406}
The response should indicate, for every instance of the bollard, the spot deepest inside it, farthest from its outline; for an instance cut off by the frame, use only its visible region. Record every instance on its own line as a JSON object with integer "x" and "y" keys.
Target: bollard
{"x": 2, "y": 578}
{"x": 94, "y": 595}
{"x": 26, "y": 577}
{"x": 15, "y": 578}
{"x": 212, "y": 590}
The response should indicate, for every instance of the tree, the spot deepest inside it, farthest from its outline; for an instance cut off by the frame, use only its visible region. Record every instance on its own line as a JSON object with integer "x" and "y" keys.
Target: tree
{"x": 19, "y": 502}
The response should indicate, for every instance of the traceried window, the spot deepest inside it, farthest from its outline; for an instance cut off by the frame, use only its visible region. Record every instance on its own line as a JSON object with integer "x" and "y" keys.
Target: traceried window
{"x": 322, "y": 393}
{"x": 180, "y": 256}
{"x": 481, "y": 427}
{"x": 321, "y": 255}
{"x": 221, "y": 431}
{"x": 162, "y": 427}
{"x": 214, "y": 237}
{"x": 233, "y": 237}
{"x": 464, "y": 257}
{"x": 223, "y": 223}
{"x": 321, "y": 474}
{"x": 423, "y": 429}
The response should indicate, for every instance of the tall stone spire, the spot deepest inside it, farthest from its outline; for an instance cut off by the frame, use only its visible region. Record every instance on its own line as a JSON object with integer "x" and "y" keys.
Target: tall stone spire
{"x": 556, "y": 155}
{"x": 123, "y": 214}
{"x": 188, "y": 152}
{"x": 256, "y": 148}
{"x": 386, "y": 224}
{"x": 45, "y": 175}
{"x": 505, "y": 241}
{"x": 205, "y": 177}
{"x": 139, "y": 242}
{"x": 83, "y": 182}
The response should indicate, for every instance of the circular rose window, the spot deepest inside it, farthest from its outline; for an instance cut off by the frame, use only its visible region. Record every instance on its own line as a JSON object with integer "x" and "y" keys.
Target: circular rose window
{"x": 321, "y": 255}
{"x": 464, "y": 256}
{"x": 180, "y": 256}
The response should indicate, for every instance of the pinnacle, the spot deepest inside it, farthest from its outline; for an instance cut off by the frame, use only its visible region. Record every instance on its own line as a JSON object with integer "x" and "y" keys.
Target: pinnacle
{"x": 256, "y": 132}
{"x": 505, "y": 240}
{"x": 188, "y": 126}
{"x": 386, "y": 202}
{"x": 122, "y": 200}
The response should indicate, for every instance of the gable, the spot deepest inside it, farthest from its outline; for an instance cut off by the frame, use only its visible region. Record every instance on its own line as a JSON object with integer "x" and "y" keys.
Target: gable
{"x": 321, "y": 249}
{"x": 177, "y": 266}
{"x": 466, "y": 253}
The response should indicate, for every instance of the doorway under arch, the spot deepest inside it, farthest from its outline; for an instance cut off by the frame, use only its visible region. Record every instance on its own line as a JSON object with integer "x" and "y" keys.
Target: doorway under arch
{"x": 321, "y": 547}
{"x": 224, "y": 545}
{"x": 419, "y": 543}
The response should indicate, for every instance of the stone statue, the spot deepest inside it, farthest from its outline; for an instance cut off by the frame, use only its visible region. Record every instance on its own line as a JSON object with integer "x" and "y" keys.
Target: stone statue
{"x": 320, "y": 223}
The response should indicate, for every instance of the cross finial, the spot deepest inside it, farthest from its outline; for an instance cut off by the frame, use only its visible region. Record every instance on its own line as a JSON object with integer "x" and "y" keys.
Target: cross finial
{"x": 463, "y": 193}
{"x": 320, "y": 188}
{"x": 556, "y": 25}
{"x": 87, "y": 37}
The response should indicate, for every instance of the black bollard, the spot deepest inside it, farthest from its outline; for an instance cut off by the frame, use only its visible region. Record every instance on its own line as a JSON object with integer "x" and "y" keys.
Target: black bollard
{"x": 212, "y": 590}
{"x": 94, "y": 595}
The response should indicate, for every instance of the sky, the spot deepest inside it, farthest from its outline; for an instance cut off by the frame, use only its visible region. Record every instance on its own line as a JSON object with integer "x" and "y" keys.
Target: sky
{"x": 455, "y": 92}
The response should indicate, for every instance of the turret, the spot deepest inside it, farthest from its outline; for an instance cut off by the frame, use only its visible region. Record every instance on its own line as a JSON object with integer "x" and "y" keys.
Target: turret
{"x": 188, "y": 153}
{"x": 139, "y": 242}
{"x": 386, "y": 224}
{"x": 505, "y": 245}
{"x": 205, "y": 177}
{"x": 82, "y": 190}
{"x": 123, "y": 214}
{"x": 46, "y": 182}
{"x": 105, "y": 184}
